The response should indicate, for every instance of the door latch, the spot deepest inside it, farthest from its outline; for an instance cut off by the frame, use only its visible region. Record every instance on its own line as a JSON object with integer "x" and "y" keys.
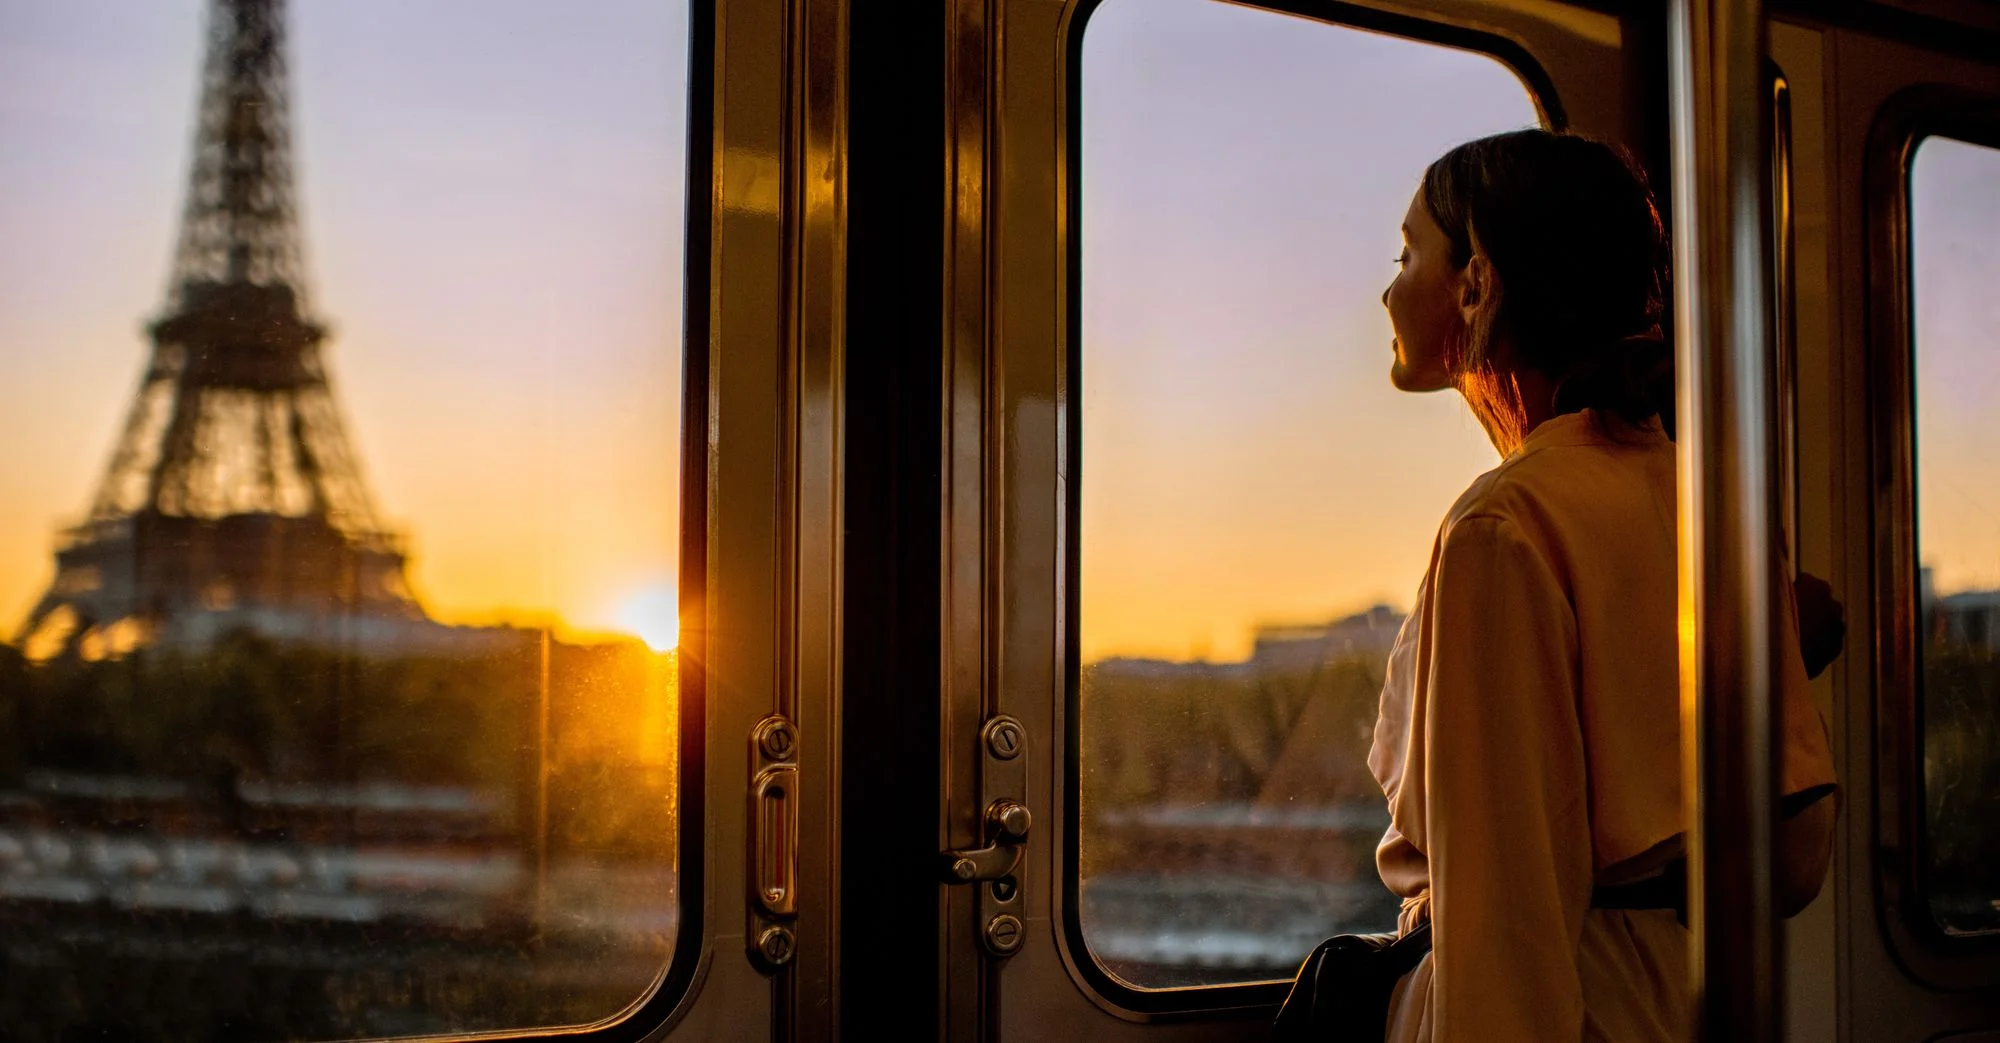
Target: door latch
{"x": 1007, "y": 823}
{"x": 995, "y": 869}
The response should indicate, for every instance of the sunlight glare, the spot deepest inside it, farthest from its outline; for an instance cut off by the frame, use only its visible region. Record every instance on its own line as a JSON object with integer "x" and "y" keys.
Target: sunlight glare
{"x": 653, "y": 616}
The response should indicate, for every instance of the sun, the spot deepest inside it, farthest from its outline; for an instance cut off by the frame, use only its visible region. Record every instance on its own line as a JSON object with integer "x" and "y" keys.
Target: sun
{"x": 653, "y": 616}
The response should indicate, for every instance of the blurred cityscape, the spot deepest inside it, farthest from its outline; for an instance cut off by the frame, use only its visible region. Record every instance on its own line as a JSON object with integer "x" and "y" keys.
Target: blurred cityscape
{"x": 1229, "y": 816}
{"x": 1959, "y": 707}
{"x": 264, "y": 840}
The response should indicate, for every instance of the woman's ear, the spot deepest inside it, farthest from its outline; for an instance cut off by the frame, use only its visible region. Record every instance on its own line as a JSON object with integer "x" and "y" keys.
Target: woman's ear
{"x": 1477, "y": 288}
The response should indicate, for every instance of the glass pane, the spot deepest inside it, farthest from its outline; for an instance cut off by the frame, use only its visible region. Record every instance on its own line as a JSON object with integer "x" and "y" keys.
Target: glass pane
{"x": 1955, "y": 237}
{"x": 1257, "y": 502}
{"x": 340, "y": 391}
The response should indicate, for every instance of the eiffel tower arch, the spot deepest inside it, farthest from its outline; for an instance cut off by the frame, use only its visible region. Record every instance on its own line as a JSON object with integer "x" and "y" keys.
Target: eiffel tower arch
{"x": 233, "y": 498}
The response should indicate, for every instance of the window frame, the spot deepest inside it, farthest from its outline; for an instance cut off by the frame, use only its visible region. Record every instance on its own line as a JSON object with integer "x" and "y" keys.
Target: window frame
{"x": 1902, "y": 125}
{"x": 1190, "y": 1002}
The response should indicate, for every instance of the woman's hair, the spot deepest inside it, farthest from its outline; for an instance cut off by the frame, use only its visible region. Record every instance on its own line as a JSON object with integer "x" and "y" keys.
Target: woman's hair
{"x": 1570, "y": 230}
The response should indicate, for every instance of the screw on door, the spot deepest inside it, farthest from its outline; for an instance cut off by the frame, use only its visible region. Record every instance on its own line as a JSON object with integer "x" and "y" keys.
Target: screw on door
{"x": 1005, "y": 737}
{"x": 777, "y": 738}
{"x": 1004, "y": 934}
{"x": 776, "y": 946}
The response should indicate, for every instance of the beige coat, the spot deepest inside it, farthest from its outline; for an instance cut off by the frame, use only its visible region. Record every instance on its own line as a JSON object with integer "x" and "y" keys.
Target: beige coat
{"x": 1529, "y": 747}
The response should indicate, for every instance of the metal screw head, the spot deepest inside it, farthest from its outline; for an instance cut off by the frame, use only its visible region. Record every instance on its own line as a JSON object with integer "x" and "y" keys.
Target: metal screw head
{"x": 965, "y": 869}
{"x": 775, "y": 946}
{"x": 774, "y": 895}
{"x": 1004, "y": 934}
{"x": 1004, "y": 737}
{"x": 777, "y": 738}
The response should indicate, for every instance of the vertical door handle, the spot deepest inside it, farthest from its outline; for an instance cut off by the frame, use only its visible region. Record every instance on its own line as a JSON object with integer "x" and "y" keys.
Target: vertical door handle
{"x": 775, "y": 854}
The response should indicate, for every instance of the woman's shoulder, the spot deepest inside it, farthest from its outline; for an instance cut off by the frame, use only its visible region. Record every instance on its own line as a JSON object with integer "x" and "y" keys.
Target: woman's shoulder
{"x": 1504, "y": 493}
{"x": 1571, "y": 470}
{"x": 1492, "y": 493}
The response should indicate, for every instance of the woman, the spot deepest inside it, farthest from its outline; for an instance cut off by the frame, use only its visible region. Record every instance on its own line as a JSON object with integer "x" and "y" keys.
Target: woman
{"x": 1528, "y": 742}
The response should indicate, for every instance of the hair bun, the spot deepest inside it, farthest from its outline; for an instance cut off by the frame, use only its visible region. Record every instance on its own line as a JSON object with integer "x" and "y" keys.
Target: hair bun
{"x": 1632, "y": 376}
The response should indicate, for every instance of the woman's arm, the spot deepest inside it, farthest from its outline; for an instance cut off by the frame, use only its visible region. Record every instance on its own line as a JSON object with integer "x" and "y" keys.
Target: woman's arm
{"x": 1506, "y": 793}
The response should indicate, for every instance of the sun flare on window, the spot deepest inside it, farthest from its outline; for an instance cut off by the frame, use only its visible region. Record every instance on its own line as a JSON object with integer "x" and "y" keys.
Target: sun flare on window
{"x": 653, "y": 616}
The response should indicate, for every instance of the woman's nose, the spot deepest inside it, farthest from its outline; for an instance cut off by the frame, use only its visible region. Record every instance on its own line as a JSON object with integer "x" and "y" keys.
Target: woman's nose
{"x": 1385, "y": 294}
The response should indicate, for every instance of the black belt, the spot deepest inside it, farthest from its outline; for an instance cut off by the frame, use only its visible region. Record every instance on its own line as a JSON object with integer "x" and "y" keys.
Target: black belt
{"x": 1666, "y": 891}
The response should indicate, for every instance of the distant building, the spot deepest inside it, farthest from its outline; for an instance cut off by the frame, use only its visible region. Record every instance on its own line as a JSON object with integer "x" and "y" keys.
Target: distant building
{"x": 1294, "y": 647}
{"x": 1277, "y": 648}
{"x": 1969, "y": 618}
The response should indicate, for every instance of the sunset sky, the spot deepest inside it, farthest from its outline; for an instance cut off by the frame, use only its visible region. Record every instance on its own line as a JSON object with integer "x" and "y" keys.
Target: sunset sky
{"x": 492, "y": 208}
{"x": 1955, "y": 199}
{"x": 1244, "y": 458}
{"x": 492, "y": 217}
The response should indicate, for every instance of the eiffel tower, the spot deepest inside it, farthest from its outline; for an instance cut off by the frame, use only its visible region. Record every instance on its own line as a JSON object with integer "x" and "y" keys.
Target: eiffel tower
{"x": 233, "y": 499}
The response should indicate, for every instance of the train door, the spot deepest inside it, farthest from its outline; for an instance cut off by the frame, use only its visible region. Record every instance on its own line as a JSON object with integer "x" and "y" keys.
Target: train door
{"x": 760, "y": 533}
{"x": 1139, "y": 539}
{"x": 1894, "y": 127}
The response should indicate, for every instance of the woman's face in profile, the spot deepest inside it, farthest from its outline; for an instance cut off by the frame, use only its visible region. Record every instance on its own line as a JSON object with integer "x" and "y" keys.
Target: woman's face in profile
{"x": 1423, "y": 304}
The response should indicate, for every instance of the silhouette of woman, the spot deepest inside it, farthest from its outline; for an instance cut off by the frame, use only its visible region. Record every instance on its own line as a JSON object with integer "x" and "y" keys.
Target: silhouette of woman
{"x": 1529, "y": 737}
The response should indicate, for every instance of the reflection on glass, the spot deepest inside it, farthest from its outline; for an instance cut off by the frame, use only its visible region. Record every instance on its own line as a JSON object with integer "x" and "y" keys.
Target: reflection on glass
{"x": 1955, "y": 239}
{"x": 267, "y": 771}
{"x": 1254, "y": 496}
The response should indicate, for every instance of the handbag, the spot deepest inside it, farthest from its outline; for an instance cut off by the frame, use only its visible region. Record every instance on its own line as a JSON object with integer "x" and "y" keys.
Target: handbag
{"x": 1343, "y": 989}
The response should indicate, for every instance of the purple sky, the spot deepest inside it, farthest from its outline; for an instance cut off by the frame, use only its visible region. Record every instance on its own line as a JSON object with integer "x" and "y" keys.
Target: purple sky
{"x": 1955, "y": 203}
{"x": 1244, "y": 458}
{"x": 491, "y": 194}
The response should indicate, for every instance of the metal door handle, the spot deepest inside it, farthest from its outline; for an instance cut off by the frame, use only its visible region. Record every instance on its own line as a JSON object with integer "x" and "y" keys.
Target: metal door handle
{"x": 776, "y": 852}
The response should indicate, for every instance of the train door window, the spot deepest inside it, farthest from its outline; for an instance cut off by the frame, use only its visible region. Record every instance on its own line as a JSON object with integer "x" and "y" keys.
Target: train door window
{"x": 1955, "y": 264}
{"x": 1256, "y": 504}
{"x": 290, "y": 749}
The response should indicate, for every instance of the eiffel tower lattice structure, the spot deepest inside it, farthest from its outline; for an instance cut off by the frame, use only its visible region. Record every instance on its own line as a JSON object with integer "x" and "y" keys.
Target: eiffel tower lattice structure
{"x": 233, "y": 498}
